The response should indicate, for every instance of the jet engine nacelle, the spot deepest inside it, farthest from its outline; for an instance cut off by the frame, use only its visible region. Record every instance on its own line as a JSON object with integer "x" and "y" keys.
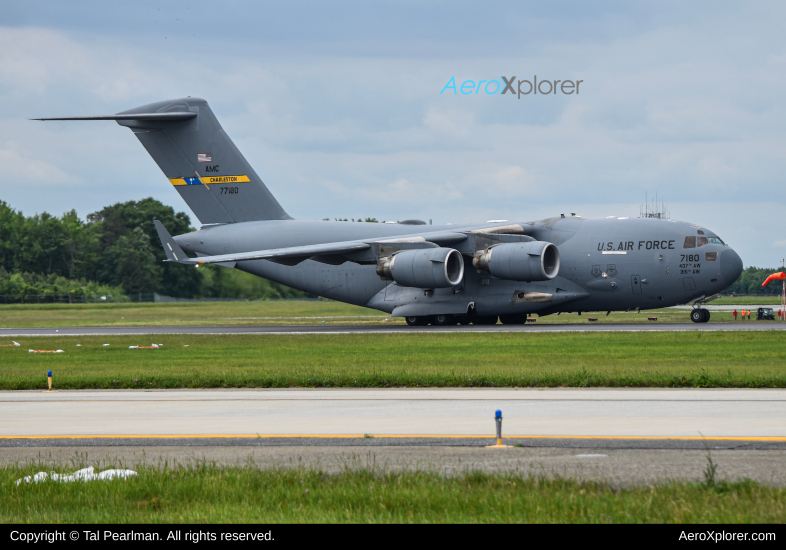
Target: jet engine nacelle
{"x": 423, "y": 268}
{"x": 527, "y": 261}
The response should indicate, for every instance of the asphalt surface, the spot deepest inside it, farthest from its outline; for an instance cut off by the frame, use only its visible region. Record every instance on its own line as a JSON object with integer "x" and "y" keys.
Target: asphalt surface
{"x": 394, "y": 329}
{"x": 618, "y": 467}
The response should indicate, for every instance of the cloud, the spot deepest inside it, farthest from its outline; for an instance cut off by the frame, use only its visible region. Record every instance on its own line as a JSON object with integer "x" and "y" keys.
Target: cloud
{"x": 346, "y": 118}
{"x": 21, "y": 168}
{"x": 403, "y": 191}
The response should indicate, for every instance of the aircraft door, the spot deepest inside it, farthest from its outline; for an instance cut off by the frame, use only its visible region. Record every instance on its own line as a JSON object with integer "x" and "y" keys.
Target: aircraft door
{"x": 635, "y": 283}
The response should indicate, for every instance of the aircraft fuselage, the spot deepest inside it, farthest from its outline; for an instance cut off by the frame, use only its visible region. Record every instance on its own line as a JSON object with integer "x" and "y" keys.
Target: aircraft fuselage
{"x": 606, "y": 264}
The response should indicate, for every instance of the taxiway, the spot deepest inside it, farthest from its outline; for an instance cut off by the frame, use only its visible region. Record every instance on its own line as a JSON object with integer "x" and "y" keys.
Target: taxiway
{"x": 621, "y": 436}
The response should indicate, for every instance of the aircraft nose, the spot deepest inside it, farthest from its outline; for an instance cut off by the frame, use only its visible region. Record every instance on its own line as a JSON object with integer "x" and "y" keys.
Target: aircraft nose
{"x": 731, "y": 266}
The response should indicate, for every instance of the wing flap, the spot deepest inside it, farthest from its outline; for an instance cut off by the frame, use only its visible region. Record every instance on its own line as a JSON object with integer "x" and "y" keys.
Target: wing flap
{"x": 287, "y": 256}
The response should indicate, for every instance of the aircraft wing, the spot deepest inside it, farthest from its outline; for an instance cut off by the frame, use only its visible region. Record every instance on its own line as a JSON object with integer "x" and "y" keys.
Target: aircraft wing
{"x": 330, "y": 253}
{"x": 292, "y": 255}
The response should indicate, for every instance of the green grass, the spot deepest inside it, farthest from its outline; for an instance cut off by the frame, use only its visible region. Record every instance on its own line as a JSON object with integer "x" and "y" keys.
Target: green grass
{"x": 271, "y": 313}
{"x": 747, "y": 301}
{"x": 187, "y": 314}
{"x": 668, "y": 359}
{"x": 246, "y": 495}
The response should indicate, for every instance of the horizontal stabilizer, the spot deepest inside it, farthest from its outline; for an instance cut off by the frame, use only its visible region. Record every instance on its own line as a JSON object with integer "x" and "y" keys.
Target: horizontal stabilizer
{"x": 137, "y": 116}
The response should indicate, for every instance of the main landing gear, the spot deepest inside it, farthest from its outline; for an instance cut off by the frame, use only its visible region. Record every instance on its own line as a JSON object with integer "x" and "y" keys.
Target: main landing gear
{"x": 452, "y": 320}
{"x": 416, "y": 321}
{"x": 700, "y": 315}
{"x": 435, "y": 320}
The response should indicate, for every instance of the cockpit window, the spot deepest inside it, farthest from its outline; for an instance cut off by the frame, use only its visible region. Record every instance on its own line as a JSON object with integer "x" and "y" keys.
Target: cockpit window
{"x": 698, "y": 242}
{"x": 700, "y": 232}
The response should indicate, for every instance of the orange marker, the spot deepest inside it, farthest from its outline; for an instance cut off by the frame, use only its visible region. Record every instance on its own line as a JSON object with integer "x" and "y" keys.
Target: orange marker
{"x": 780, "y": 276}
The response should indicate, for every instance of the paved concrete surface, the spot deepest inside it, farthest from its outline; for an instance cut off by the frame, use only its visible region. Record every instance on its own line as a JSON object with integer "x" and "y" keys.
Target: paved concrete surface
{"x": 576, "y": 442}
{"x": 449, "y": 412}
{"x": 621, "y": 436}
{"x": 614, "y": 466}
{"x": 395, "y": 329}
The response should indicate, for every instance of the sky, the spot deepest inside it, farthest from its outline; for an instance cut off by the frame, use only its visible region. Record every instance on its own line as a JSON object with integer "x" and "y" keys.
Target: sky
{"x": 337, "y": 106}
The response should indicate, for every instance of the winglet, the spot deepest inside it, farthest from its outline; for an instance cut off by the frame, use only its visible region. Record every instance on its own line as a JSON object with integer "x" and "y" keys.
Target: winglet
{"x": 172, "y": 250}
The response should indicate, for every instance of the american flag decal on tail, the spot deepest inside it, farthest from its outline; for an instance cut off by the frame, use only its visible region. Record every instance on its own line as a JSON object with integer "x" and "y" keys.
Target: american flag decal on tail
{"x": 204, "y": 157}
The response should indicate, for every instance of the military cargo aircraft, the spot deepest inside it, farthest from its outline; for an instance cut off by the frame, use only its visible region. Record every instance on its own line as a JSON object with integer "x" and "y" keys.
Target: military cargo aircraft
{"x": 429, "y": 274}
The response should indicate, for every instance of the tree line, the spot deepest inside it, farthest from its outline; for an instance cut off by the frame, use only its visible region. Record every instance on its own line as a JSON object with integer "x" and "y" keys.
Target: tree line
{"x": 749, "y": 283}
{"x": 114, "y": 250}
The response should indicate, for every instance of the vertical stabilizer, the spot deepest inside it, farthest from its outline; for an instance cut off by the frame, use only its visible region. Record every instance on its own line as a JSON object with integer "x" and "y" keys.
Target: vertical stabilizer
{"x": 192, "y": 149}
{"x": 203, "y": 164}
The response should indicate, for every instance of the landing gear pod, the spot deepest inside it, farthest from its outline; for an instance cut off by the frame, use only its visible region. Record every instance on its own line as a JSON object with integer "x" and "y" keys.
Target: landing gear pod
{"x": 425, "y": 268}
{"x": 529, "y": 261}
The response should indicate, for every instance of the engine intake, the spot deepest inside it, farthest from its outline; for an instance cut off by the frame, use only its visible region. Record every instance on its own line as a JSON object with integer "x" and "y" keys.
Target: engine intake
{"x": 529, "y": 261}
{"x": 424, "y": 268}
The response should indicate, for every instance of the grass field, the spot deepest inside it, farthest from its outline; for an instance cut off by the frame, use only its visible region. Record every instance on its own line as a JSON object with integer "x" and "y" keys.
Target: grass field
{"x": 289, "y": 312}
{"x": 747, "y": 301}
{"x": 668, "y": 359}
{"x": 247, "y": 495}
{"x": 270, "y": 313}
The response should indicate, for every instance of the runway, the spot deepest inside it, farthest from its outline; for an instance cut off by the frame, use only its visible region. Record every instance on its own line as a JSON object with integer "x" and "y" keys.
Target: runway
{"x": 393, "y": 329}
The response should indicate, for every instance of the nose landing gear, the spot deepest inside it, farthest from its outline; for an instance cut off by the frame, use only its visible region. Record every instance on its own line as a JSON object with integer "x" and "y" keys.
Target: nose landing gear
{"x": 700, "y": 315}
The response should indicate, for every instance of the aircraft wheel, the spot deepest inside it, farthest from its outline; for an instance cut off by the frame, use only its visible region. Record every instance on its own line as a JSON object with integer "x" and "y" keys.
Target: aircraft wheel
{"x": 416, "y": 321}
{"x": 491, "y": 320}
{"x": 464, "y": 320}
{"x": 514, "y": 319}
{"x": 443, "y": 320}
{"x": 697, "y": 315}
{"x": 706, "y": 313}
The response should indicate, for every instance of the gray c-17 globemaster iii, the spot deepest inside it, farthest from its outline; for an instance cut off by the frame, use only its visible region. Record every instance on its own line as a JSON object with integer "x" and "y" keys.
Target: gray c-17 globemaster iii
{"x": 438, "y": 275}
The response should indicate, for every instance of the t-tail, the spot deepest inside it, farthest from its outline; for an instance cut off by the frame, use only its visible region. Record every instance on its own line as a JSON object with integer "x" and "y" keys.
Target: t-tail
{"x": 189, "y": 145}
